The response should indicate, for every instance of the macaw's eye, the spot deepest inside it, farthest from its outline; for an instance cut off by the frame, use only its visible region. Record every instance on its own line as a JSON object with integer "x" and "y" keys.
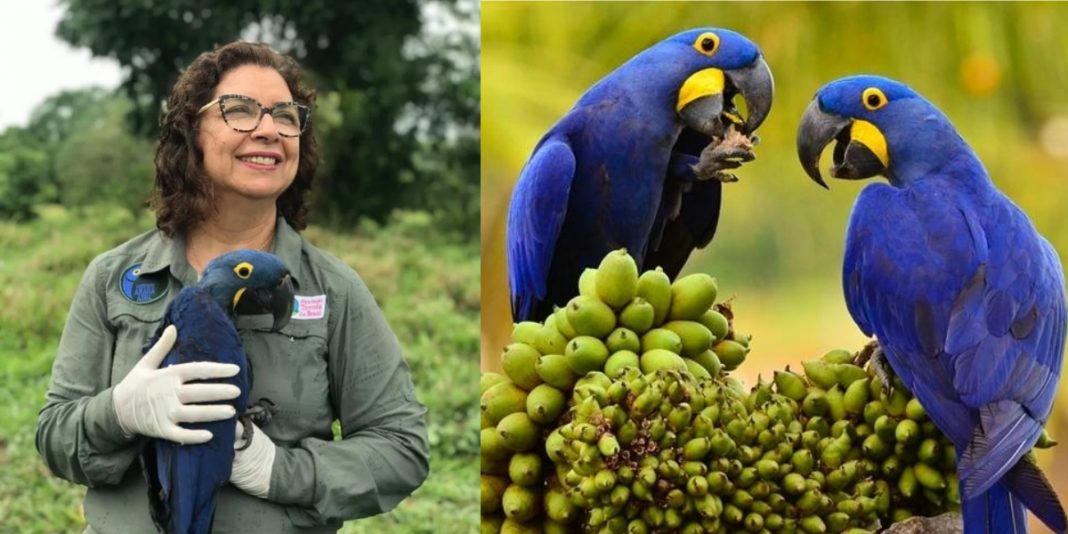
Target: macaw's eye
{"x": 707, "y": 43}
{"x": 873, "y": 98}
{"x": 243, "y": 270}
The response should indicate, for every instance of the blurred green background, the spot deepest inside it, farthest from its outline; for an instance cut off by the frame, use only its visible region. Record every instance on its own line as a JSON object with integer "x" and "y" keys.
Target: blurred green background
{"x": 998, "y": 70}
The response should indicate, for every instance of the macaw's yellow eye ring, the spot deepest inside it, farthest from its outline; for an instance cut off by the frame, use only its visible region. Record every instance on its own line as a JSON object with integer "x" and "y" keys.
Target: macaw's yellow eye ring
{"x": 707, "y": 43}
{"x": 873, "y": 98}
{"x": 243, "y": 270}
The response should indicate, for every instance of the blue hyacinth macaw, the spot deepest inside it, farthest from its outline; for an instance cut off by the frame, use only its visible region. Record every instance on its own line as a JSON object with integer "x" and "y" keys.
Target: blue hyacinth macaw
{"x": 964, "y": 296}
{"x": 618, "y": 170}
{"x": 184, "y": 480}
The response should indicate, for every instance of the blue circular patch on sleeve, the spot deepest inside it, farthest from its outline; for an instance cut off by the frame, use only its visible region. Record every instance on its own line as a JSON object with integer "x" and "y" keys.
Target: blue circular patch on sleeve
{"x": 143, "y": 289}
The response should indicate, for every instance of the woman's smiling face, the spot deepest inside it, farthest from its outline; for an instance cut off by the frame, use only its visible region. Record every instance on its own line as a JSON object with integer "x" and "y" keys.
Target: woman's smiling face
{"x": 259, "y": 164}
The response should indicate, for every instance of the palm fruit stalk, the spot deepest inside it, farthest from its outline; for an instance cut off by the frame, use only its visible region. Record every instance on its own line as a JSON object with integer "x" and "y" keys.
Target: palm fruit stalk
{"x": 618, "y": 413}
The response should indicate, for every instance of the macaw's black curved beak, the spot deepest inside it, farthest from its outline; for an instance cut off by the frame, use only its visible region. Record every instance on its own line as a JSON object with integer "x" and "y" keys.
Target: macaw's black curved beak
{"x": 854, "y": 159}
{"x": 277, "y": 301}
{"x": 706, "y": 98}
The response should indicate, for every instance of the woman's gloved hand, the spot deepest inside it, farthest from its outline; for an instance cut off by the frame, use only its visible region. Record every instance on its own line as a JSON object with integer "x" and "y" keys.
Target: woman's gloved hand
{"x": 252, "y": 465}
{"x": 151, "y": 401}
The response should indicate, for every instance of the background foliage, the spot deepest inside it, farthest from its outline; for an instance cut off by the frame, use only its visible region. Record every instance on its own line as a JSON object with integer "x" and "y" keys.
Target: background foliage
{"x": 997, "y": 69}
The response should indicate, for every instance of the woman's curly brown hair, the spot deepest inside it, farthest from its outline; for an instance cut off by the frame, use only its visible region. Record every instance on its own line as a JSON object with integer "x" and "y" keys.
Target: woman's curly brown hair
{"x": 183, "y": 194}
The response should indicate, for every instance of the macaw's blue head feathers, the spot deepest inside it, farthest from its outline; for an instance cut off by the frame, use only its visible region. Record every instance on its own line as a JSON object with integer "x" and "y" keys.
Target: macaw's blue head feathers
{"x": 700, "y": 72}
{"x": 881, "y": 126}
{"x": 250, "y": 282}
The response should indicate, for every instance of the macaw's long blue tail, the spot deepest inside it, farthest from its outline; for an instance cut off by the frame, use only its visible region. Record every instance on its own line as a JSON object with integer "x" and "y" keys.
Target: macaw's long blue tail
{"x": 995, "y": 511}
{"x": 1001, "y": 510}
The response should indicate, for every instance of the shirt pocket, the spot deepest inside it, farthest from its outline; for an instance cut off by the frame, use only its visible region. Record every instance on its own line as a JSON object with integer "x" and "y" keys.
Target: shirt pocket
{"x": 290, "y": 368}
{"x": 134, "y": 324}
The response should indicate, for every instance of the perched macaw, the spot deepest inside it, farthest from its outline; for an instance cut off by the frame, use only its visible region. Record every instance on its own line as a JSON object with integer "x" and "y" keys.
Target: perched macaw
{"x": 617, "y": 170}
{"x": 964, "y": 296}
{"x": 185, "y": 479}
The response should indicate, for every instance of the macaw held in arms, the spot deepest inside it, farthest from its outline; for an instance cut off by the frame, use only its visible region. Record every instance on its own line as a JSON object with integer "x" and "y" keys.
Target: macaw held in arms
{"x": 964, "y": 296}
{"x": 184, "y": 480}
{"x": 637, "y": 163}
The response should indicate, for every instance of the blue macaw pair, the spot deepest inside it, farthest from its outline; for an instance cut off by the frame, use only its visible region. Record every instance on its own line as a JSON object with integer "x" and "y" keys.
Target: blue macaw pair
{"x": 963, "y": 294}
{"x": 184, "y": 480}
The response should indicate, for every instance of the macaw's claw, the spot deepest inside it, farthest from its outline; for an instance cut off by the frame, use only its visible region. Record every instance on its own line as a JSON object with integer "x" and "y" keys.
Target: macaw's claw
{"x": 882, "y": 369}
{"x": 730, "y": 152}
{"x": 260, "y": 413}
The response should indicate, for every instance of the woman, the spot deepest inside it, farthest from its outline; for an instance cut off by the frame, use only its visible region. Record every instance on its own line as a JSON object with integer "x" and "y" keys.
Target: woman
{"x": 235, "y": 159}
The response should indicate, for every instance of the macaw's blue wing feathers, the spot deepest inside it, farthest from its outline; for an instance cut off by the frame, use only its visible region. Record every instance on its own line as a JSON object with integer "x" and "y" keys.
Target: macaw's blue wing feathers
{"x": 543, "y": 188}
{"x": 964, "y": 295}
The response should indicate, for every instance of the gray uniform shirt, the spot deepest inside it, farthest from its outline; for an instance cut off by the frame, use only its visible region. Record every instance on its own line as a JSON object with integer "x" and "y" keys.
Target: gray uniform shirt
{"x": 336, "y": 359}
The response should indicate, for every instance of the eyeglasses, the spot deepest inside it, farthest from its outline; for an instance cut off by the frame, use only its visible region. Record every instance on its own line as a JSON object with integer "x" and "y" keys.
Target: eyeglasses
{"x": 244, "y": 114}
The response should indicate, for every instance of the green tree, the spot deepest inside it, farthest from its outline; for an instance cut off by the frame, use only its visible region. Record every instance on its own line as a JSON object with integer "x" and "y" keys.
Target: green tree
{"x": 363, "y": 57}
{"x": 23, "y": 174}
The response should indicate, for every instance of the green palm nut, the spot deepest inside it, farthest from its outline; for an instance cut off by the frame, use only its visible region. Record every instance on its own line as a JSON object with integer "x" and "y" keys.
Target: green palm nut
{"x": 549, "y": 340}
{"x": 696, "y": 448}
{"x": 558, "y": 507}
{"x": 637, "y": 526}
{"x": 768, "y": 469}
{"x": 952, "y": 489}
{"x": 655, "y": 288}
{"x": 875, "y": 448}
{"x": 914, "y": 410}
{"x": 886, "y": 428}
{"x": 731, "y": 353}
{"x": 907, "y": 483}
{"x": 808, "y": 502}
{"x": 838, "y": 356}
{"x": 554, "y": 370}
{"x": 638, "y": 315}
{"x": 491, "y": 490}
{"x": 843, "y": 425}
{"x": 604, "y": 480}
{"x": 695, "y": 337}
{"x": 891, "y": 468}
{"x": 518, "y": 431}
{"x": 907, "y": 432}
{"x": 587, "y": 282}
{"x": 608, "y": 445}
{"x": 929, "y": 451}
{"x": 732, "y": 514}
{"x": 790, "y": 384}
{"x": 710, "y": 361}
{"x": 545, "y": 404}
{"x": 525, "y": 332}
{"x": 691, "y": 296}
{"x": 895, "y": 404}
{"x": 1045, "y": 441}
{"x": 856, "y": 397}
{"x": 812, "y": 524}
{"x": 793, "y": 484}
{"x": 719, "y": 483}
{"x": 835, "y": 403}
{"x": 502, "y": 399}
{"x": 815, "y": 403}
{"x": 715, "y": 322}
{"x": 709, "y": 506}
{"x": 490, "y": 524}
{"x": 525, "y": 468}
{"x": 657, "y": 359}
{"x": 585, "y": 354}
{"x": 803, "y": 461}
{"x": 554, "y": 446}
{"x": 489, "y": 379}
{"x": 696, "y": 369}
{"x": 873, "y": 410}
{"x": 820, "y": 373}
{"x": 619, "y": 496}
{"x": 616, "y": 364}
{"x": 929, "y": 477}
{"x": 491, "y": 445}
{"x": 679, "y": 417}
{"x": 520, "y": 503}
{"x": 949, "y": 455}
{"x": 560, "y": 323}
{"x": 847, "y": 373}
{"x": 697, "y": 486}
{"x": 617, "y": 393}
{"x": 753, "y": 522}
{"x": 590, "y": 317}
{"x": 616, "y": 279}
{"x": 661, "y": 338}
{"x": 837, "y": 522}
{"x": 623, "y": 339}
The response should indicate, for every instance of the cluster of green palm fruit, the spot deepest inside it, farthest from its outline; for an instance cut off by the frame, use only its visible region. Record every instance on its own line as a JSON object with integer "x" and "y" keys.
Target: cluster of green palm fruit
{"x": 616, "y": 415}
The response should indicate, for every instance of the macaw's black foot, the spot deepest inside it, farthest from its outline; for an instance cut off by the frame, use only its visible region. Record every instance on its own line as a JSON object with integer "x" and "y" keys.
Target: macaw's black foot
{"x": 260, "y": 413}
{"x": 881, "y": 366}
{"x": 730, "y": 152}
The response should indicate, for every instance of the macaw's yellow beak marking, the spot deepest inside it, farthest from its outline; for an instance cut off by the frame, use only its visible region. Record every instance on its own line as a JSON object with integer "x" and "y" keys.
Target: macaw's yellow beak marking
{"x": 869, "y": 135}
{"x": 701, "y": 83}
{"x": 237, "y": 296}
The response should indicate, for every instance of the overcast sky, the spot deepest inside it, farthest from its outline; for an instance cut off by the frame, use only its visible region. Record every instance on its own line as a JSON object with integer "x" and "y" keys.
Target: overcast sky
{"x": 35, "y": 64}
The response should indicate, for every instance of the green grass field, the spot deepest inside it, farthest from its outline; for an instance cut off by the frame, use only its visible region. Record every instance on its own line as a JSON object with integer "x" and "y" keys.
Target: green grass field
{"x": 428, "y": 289}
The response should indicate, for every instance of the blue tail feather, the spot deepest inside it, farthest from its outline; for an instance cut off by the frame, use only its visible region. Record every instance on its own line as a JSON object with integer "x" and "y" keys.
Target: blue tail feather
{"x": 995, "y": 511}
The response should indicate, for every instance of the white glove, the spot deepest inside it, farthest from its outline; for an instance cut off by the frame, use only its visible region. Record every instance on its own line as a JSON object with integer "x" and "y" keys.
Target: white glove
{"x": 252, "y": 466}
{"x": 151, "y": 401}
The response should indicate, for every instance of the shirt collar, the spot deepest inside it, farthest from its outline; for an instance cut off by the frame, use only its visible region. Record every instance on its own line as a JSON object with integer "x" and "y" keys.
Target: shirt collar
{"x": 169, "y": 253}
